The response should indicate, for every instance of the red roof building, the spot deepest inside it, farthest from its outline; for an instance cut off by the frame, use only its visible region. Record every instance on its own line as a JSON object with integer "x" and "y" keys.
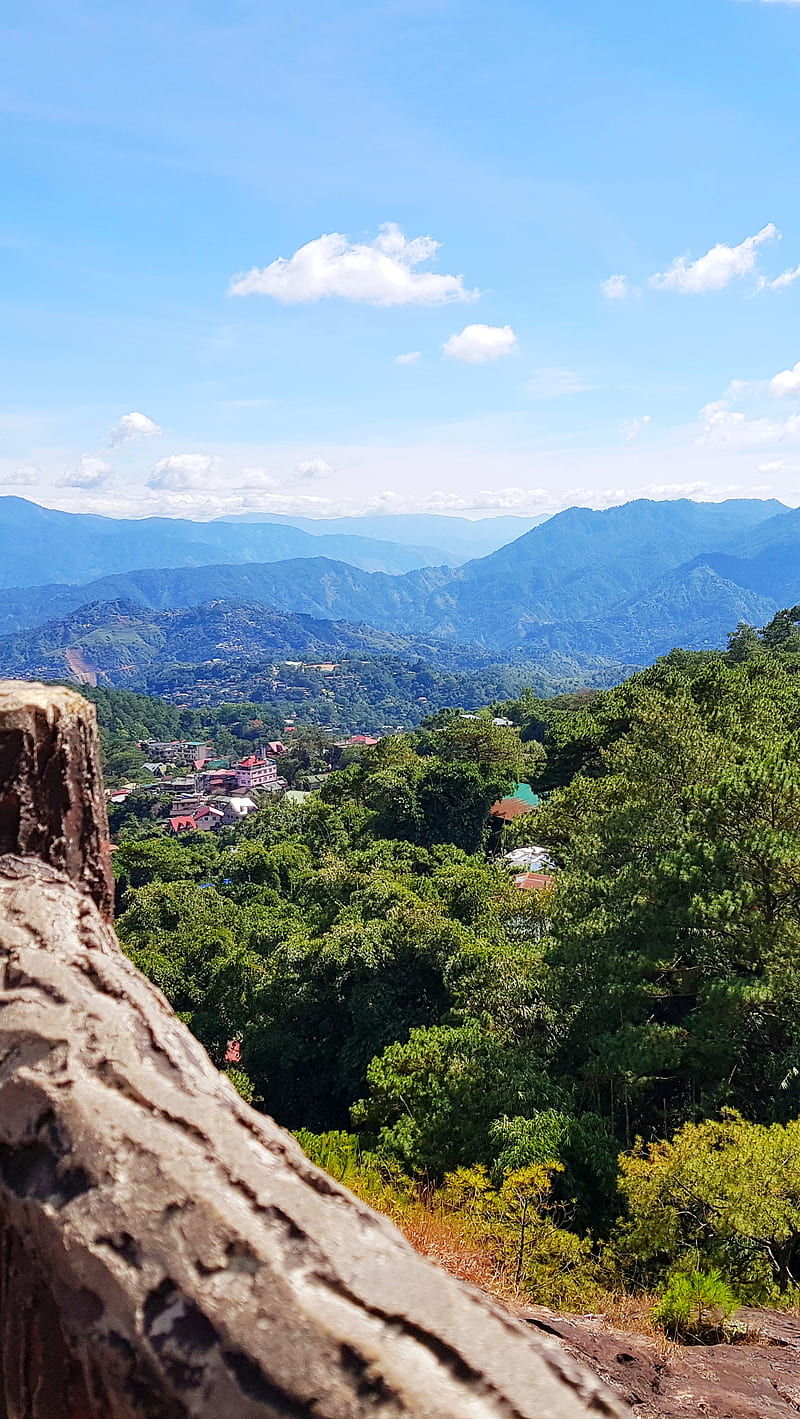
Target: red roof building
{"x": 533, "y": 881}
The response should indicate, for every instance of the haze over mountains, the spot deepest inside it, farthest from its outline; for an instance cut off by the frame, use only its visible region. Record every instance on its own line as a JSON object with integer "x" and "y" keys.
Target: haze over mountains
{"x": 39, "y": 544}
{"x": 625, "y": 584}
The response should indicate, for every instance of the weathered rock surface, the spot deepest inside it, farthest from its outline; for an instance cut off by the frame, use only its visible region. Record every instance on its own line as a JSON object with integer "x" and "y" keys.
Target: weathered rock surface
{"x": 756, "y": 1380}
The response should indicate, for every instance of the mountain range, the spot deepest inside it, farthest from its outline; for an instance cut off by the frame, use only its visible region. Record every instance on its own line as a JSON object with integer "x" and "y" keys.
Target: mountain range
{"x": 625, "y": 584}
{"x": 40, "y": 544}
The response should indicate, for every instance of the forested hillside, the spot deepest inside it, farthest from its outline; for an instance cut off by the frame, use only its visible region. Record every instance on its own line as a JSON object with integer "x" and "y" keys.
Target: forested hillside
{"x": 590, "y": 1086}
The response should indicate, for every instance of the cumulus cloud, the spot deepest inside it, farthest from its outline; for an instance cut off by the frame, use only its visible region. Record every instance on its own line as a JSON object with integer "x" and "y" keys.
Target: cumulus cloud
{"x": 382, "y": 272}
{"x": 180, "y": 472}
{"x": 25, "y": 477}
{"x": 712, "y": 272}
{"x": 786, "y": 384}
{"x": 310, "y": 468}
{"x": 251, "y": 478}
{"x": 132, "y": 426}
{"x": 631, "y": 428}
{"x": 91, "y": 472}
{"x": 725, "y": 426}
{"x": 477, "y": 344}
{"x": 617, "y": 288}
{"x": 409, "y": 359}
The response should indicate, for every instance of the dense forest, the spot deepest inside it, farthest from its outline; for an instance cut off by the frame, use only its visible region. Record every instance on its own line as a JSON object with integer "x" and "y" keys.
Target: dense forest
{"x": 590, "y": 1088}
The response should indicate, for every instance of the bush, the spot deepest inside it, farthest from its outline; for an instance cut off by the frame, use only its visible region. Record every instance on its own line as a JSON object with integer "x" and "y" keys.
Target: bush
{"x": 695, "y": 1307}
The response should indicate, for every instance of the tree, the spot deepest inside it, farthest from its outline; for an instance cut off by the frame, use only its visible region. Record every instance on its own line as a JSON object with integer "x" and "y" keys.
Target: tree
{"x": 727, "y": 1191}
{"x": 432, "y": 1100}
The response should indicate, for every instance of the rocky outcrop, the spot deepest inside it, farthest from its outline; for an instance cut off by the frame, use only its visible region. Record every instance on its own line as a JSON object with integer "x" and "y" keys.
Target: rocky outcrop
{"x": 756, "y": 1379}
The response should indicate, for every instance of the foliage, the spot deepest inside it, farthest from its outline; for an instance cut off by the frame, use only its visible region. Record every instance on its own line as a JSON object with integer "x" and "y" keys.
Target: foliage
{"x": 695, "y": 1306}
{"x": 494, "y": 1050}
{"x": 725, "y": 1190}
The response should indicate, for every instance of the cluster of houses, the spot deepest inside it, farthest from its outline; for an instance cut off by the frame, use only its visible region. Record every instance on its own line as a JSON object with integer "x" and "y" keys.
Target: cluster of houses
{"x": 215, "y": 793}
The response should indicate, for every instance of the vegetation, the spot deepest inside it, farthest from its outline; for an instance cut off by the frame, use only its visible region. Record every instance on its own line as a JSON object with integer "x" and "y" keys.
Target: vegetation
{"x": 592, "y": 1086}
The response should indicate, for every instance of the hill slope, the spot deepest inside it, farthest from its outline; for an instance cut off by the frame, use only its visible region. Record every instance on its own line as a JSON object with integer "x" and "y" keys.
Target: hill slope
{"x": 581, "y": 565}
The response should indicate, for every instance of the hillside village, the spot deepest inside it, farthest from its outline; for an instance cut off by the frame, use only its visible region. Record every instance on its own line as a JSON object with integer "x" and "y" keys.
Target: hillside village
{"x": 208, "y": 792}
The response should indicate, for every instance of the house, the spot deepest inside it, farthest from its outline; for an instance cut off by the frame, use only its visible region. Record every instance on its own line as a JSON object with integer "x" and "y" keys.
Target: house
{"x": 182, "y": 823}
{"x": 185, "y": 803}
{"x": 216, "y": 781}
{"x": 521, "y": 801}
{"x": 256, "y": 773}
{"x": 275, "y": 746}
{"x": 502, "y": 723}
{"x": 528, "y": 859}
{"x": 235, "y": 810}
{"x": 208, "y": 819}
{"x": 533, "y": 881}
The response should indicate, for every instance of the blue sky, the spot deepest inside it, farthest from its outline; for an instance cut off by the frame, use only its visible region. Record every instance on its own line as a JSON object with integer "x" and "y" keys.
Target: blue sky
{"x": 154, "y": 155}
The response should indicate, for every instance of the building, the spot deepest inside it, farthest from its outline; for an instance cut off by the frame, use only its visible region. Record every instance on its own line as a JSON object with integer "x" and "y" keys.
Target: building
{"x": 182, "y": 823}
{"x": 523, "y": 800}
{"x": 533, "y": 881}
{"x": 256, "y": 773}
{"x": 185, "y": 803}
{"x": 178, "y": 751}
{"x": 216, "y": 781}
{"x": 208, "y": 819}
{"x": 528, "y": 859}
{"x": 235, "y": 810}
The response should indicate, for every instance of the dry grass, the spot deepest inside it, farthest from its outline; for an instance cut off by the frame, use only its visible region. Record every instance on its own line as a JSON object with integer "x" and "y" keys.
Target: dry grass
{"x": 442, "y": 1238}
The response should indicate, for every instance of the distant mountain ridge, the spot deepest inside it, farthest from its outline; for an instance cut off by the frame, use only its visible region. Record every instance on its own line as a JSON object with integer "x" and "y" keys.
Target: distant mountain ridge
{"x": 462, "y": 538}
{"x": 41, "y": 544}
{"x": 627, "y": 583}
{"x": 577, "y": 566}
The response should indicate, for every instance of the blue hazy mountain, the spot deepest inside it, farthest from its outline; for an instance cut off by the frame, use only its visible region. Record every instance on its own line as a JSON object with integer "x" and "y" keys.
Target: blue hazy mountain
{"x": 629, "y": 582}
{"x": 461, "y": 538}
{"x": 39, "y": 544}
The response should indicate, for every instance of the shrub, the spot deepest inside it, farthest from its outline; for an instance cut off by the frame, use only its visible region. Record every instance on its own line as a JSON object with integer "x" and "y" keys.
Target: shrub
{"x": 695, "y": 1307}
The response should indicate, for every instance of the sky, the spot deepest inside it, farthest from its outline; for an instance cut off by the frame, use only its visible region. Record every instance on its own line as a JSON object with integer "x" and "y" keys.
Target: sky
{"x": 398, "y": 255}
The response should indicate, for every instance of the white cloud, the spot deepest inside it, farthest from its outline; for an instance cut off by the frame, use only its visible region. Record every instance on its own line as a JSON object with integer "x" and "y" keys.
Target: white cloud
{"x": 250, "y": 478}
{"x": 786, "y": 384}
{"x": 477, "y": 344}
{"x": 631, "y": 428}
{"x": 310, "y": 468}
{"x": 409, "y": 359}
{"x": 182, "y": 471}
{"x": 132, "y": 426}
{"x": 26, "y": 477}
{"x": 725, "y": 426}
{"x": 381, "y": 272}
{"x": 785, "y": 279}
{"x": 91, "y": 472}
{"x": 712, "y": 272}
{"x": 617, "y": 288}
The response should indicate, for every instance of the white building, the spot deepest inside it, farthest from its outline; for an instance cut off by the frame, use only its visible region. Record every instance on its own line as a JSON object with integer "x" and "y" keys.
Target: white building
{"x": 256, "y": 773}
{"x": 235, "y": 810}
{"x": 178, "y": 751}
